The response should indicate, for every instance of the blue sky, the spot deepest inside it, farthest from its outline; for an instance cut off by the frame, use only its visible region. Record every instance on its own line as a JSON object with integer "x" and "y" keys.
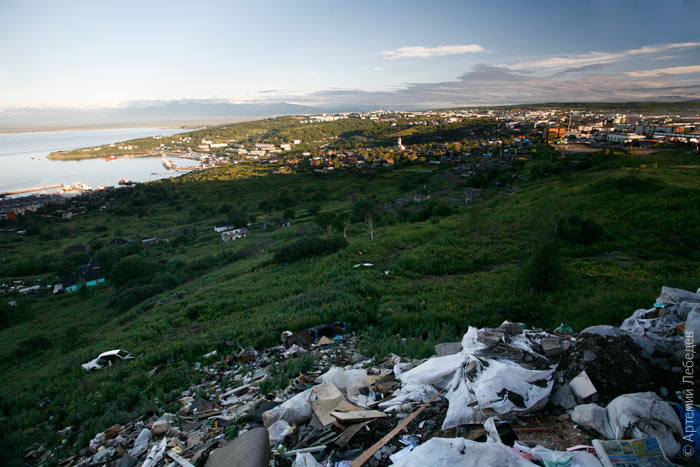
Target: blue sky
{"x": 391, "y": 53}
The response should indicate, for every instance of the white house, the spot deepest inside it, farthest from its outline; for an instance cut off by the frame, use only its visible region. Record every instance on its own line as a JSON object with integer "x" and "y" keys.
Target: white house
{"x": 235, "y": 234}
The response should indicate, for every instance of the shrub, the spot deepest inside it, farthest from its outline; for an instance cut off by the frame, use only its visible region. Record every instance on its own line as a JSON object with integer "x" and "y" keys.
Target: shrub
{"x": 129, "y": 268}
{"x": 545, "y": 268}
{"x": 577, "y": 230}
{"x": 307, "y": 248}
{"x": 280, "y": 375}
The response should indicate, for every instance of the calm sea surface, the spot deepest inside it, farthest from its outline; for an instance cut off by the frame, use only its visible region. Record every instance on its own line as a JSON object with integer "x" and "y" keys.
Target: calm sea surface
{"x": 23, "y": 162}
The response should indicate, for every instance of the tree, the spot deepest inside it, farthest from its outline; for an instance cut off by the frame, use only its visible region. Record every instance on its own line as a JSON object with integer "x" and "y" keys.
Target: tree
{"x": 236, "y": 218}
{"x": 366, "y": 211}
{"x": 325, "y": 220}
{"x": 126, "y": 269}
{"x": 289, "y": 214}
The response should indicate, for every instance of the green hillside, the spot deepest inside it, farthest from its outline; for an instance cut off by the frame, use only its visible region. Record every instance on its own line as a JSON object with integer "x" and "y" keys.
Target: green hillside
{"x": 582, "y": 247}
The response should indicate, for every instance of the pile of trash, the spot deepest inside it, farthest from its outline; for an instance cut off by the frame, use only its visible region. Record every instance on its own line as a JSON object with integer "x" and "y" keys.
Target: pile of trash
{"x": 506, "y": 396}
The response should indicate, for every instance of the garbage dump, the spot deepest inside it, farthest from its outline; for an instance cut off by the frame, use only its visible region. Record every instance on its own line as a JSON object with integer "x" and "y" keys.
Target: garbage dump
{"x": 505, "y": 396}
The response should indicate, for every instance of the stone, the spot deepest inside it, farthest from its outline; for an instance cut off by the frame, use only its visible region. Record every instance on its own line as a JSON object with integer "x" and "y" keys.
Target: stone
{"x": 564, "y": 398}
{"x": 512, "y": 329}
{"x": 589, "y": 356}
{"x": 358, "y": 357}
{"x": 552, "y": 346}
{"x": 490, "y": 336}
{"x": 448, "y": 348}
{"x": 126, "y": 461}
{"x": 251, "y": 449}
{"x": 160, "y": 427}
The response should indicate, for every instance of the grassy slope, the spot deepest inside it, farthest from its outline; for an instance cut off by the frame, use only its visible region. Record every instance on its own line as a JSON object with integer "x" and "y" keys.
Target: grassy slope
{"x": 464, "y": 270}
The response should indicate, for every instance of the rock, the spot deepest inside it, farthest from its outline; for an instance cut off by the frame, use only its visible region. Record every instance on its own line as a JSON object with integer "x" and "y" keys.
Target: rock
{"x": 552, "y": 346}
{"x": 251, "y": 449}
{"x": 490, "y": 336}
{"x": 126, "y": 461}
{"x": 512, "y": 329}
{"x": 102, "y": 456}
{"x": 564, "y": 397}
{"x": 670, "y": 295}
{"x": 160, "y": 427}
{"x": 97, "y": 441}
{"x": 113, "y": 431}
{"x": 448, "y": 348}
{"x": 589, "y": 356}
{"x": 358, "y": 357}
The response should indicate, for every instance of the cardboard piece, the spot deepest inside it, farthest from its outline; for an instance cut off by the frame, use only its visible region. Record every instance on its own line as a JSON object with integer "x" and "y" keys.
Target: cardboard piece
{"x": 324, "y": 341}
{"x": 328, "y": 400}
{"x": 358, "y": 415}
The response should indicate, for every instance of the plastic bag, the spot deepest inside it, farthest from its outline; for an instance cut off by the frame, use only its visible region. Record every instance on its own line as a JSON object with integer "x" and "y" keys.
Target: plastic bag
{"x": 344, "y": 379}
{"x": 296, "y": 410}
{"x": 634, "y": 416}
{"x": 460, "y": 452}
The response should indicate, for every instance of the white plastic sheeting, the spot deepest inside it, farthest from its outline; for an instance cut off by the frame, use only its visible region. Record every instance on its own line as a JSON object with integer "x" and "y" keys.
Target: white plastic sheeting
{"x": 411, "y": 392}
{"x": 482, "y": 388}
{"x": 305, "y": 460}
{"x": 460, "y": 452}
{"x": 658, "y": 324}
{"x": 692, "y": 324}
{"x": 278, "y": 431}
{"x": 479, "y": 383}
{"x": 437, "y": 371}
{"x": 344, "y": 379}
{"x": 296, "y": 410}
{"x": 671, "y": 295}
{"x": 634, "y": 416}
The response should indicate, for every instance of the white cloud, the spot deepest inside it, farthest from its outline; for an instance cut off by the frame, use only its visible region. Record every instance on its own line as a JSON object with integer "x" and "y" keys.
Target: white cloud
{"x": 590, "y": 58}
{"x": 427, "y": 52}
{"x": 492, "y": 85}
{"x": 676, "y": 70}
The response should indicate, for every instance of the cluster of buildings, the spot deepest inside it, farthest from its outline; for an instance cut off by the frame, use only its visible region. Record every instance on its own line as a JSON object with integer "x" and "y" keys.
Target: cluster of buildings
{"x": 601, "y": 128}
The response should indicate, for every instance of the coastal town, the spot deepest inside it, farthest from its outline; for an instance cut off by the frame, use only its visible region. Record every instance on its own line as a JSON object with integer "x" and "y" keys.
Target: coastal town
{"x": 493, "y": 136}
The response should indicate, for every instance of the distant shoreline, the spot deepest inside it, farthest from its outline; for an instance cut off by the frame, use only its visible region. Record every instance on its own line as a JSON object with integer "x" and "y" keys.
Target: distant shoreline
{"x": 185, "y": 125}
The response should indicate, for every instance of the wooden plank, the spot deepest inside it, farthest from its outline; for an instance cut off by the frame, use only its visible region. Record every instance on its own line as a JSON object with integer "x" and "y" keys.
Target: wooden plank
{"x": 358, "y": 415}
{"x": 349, "y": 432}
{"x": 365, "y": 456}
{"x": 179, "y": 459}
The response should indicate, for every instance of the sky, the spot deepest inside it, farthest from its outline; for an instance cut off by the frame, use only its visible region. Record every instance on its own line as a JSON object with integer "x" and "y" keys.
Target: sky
{"x": 418, "y": 54}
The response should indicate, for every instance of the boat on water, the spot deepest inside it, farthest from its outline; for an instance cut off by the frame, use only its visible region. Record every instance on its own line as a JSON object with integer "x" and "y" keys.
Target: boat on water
{"x": 110, "y": 158}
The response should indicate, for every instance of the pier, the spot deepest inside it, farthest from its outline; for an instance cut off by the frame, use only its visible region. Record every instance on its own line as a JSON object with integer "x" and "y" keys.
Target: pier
{"x": 29, "y": 190}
